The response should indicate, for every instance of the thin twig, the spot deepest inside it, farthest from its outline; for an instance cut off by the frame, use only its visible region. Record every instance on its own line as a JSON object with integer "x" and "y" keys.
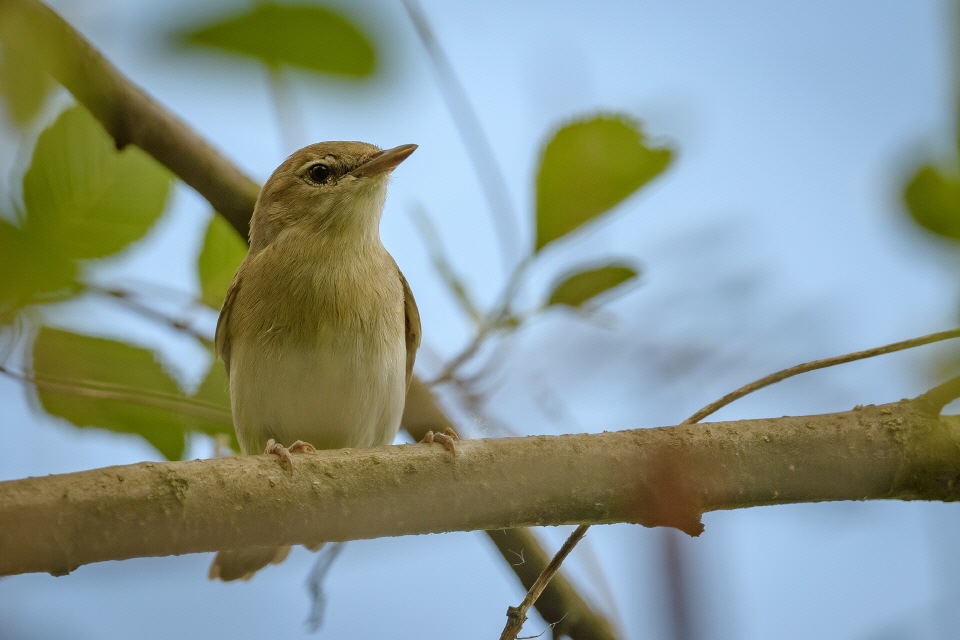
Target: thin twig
{"x": 516, "y": 616}
{"x": 478, "y": 147}
{"x": 441, "y": 263}
{"x": 128, "y": 298}
{"x": 499, "y": 319}
{"x": 773, "y": 378}
{"x": 108, "y": 391}
{"x": 446, "y": 374}
{"x": 549, "y": 627}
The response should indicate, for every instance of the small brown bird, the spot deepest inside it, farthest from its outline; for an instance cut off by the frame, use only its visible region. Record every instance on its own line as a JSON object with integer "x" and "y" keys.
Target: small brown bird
{"x": 319, "y": 329}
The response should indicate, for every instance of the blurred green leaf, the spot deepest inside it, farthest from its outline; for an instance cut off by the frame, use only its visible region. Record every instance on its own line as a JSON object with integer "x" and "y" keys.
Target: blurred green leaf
{"x": 310, "y": 37}
{"x": 84, "y": 199}
{"x": 94, "y": 382}
{"x": 24, "y": 85}
{"x": 215, "y": 391}
{"x": 223, "y": 251}
{"x": 933, "y": 200}
{"x": 29, "y": 274}
{"x": 587, "y": 168}
{"x": 577, "y": 288}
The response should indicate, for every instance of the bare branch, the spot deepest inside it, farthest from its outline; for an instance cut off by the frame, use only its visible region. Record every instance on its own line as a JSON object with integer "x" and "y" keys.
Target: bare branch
{"x": 516, "y": 616}
{"x": 773, "y": 378}
{"x": 667, "y": 476}
{"x": 560, "y": 604}
{"x": 129, "y": 299}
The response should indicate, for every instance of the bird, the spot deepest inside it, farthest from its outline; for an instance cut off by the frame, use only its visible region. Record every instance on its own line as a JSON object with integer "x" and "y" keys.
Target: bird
{"x": 319, "y": 329}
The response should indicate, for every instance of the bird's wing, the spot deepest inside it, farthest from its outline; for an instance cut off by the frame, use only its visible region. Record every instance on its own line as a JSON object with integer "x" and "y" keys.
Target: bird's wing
{"x": 412, "y": 322}
{"x": 222, "y": 336}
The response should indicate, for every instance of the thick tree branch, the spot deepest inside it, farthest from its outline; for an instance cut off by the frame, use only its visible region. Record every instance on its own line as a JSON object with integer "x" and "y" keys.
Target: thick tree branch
{"x": 666, "y": 476}
{"x": 132, "y": 117}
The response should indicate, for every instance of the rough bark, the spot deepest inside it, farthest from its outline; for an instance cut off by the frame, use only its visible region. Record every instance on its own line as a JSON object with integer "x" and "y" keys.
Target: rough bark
{"x": 665, "y": 476}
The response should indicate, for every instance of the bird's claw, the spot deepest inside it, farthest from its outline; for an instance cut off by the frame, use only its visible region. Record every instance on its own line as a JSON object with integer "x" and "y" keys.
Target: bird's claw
{"x": 302, "y": 447}
{"x": 275, "y": 448}
{"x": 448, "y": 439}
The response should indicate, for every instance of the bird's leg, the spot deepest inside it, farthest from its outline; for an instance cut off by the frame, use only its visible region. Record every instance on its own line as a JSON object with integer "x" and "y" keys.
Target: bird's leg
{"x": 448, "y": 439}
{"x": 284, "y": 452}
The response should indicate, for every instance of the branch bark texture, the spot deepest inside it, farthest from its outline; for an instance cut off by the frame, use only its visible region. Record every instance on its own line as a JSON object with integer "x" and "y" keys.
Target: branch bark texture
{"x": 665, "y": 476}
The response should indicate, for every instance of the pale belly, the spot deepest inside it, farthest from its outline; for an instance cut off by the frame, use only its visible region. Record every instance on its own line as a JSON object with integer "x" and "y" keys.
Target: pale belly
{"x": 342, "y": 391}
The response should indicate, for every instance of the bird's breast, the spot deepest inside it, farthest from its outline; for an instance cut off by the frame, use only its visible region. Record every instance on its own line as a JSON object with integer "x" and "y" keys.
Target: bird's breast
{"x": 318, "y": 351}
{"x": 299, "y": 297}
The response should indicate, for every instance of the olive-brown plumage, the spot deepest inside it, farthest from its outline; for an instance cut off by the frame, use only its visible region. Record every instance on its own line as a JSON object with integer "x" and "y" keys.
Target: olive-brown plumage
{"x": 319, "y": 329}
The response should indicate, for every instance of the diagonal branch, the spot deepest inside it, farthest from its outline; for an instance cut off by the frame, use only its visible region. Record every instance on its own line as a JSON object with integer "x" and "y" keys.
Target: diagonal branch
{"x": 518, "y": 615}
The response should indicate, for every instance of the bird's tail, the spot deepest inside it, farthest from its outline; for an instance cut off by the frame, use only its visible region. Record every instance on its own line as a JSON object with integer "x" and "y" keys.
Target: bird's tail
{"x": 242, "y": 564}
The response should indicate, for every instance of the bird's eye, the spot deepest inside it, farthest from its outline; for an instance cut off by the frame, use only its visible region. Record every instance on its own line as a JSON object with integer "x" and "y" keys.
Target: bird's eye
{"x": 319, "y": 173}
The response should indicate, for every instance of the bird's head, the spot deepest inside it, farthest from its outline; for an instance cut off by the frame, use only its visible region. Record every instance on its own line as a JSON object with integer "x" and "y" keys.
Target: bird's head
{"x": 326, "y": 188}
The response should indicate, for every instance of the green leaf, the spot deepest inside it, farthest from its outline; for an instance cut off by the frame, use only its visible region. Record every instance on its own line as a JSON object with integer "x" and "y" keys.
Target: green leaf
{"x": 215, "y": 391}
{"x": 223, "y": 251}
{"x": 94, "y": 382}
{"x": 310, "y": 37}
{"x": 587, "y": 168}
{"x": 29, "y": 274}
{"x": 84, "y": 199}
{"x": 578, "y": 287}
{"x": 933, "y": 200}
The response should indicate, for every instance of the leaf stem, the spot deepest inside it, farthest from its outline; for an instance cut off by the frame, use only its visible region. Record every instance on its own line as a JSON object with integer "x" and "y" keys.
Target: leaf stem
{"x": 773, "y": 378}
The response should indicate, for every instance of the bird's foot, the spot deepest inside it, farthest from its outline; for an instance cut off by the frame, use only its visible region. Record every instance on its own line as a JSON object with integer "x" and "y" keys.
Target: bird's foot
{"x": 448, "y": 439}
{"x": 284, "y": 452}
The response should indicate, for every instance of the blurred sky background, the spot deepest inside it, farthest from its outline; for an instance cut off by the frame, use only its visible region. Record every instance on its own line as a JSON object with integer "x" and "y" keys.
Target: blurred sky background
{"x": 776, "y": 237}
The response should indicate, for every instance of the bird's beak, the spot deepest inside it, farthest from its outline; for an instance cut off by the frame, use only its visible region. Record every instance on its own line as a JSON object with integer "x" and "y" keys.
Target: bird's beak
{"x": 384, "y": 161}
